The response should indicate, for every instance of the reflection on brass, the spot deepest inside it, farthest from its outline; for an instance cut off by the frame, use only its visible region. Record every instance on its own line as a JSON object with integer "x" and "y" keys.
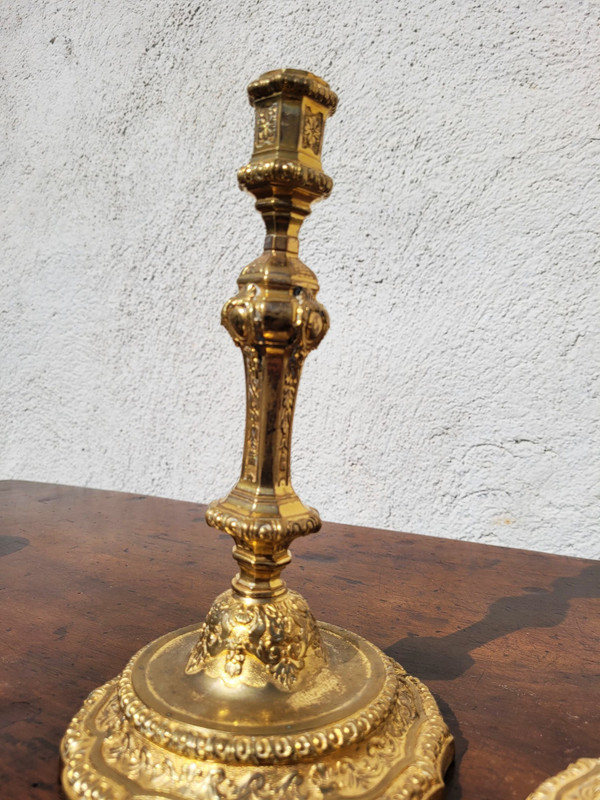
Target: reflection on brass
{"x": 261, "y": 701}
{"x": 579, "y": 781}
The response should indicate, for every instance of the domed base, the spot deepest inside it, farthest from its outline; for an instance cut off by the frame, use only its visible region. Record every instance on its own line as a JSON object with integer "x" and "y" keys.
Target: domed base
{"x": 360, "y": 728}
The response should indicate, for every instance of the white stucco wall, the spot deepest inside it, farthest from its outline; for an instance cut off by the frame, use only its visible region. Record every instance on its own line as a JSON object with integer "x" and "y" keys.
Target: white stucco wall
{"x": 457, "y": 392}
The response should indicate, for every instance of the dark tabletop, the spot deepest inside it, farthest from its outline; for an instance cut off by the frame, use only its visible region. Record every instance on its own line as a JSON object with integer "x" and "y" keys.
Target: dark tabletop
{"x": 507, "y": 640}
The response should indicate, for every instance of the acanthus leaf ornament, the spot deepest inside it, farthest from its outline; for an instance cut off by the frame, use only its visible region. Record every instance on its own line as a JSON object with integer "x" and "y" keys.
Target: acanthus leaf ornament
{"x": 279, "y": 634}
{"x": 312, "y": 131}
{"x": 266, "y": 126}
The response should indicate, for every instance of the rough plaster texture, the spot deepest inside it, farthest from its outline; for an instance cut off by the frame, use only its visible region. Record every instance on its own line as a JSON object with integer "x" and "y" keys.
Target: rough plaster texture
{"x": 457, "y": 391}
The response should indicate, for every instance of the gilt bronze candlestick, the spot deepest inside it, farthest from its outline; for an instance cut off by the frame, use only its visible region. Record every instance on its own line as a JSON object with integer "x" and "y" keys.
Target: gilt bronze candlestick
{"x": 261, "y": 701}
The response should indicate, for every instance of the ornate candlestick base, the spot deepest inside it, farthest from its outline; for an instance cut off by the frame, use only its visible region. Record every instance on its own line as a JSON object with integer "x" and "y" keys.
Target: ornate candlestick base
{"x": 358, "y": 726}
{"x": 579, "y": 781}
{"x": 261, "y": 701}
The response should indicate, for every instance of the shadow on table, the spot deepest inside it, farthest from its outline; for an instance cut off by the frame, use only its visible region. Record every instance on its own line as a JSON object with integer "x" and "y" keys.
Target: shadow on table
{"x": 445, "y": 658}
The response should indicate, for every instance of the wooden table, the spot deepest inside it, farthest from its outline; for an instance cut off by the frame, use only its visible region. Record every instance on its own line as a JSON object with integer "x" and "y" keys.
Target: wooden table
{"x": 507, "y": 640}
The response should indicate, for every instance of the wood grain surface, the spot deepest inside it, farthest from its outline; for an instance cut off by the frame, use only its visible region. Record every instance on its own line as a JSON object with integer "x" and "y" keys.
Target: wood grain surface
{"x": 507, "y": 640}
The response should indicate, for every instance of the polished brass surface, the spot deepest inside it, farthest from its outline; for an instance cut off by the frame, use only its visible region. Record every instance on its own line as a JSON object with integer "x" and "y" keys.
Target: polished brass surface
{"x": 260, "y": 700}
{"x": 579, "y": 781}
{"x": 276, "y": 320}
